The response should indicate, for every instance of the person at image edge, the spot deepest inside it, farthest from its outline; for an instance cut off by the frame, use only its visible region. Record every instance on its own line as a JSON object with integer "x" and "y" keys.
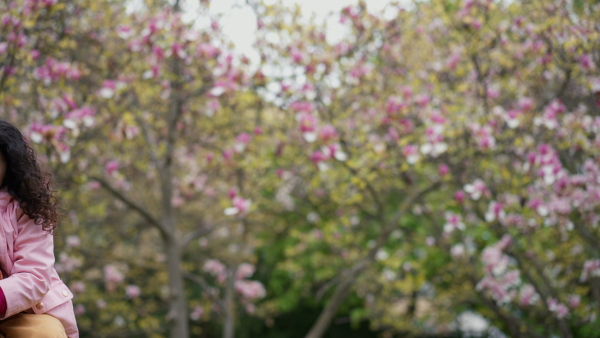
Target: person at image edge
{"x": 34, "y": 302}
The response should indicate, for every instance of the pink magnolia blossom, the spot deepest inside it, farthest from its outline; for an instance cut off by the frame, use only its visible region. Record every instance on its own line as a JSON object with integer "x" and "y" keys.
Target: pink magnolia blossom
{"x": 494, "y": 260}
{"x": 113, "y": 274}
{"x": 179, "y": 50}
{"x": 595, "y": 86}
{"x": 241, "y": 141}
{"x": 101, "y": 304}
{"x": 422, "y": 100}
{"x": 132, "y": 291}
{"x": 109, "y": 87}
{"x": 197, "y": 313}
{"x": 559, "y": 308}
{"x": 591, "y": 268}
{"x": 111, "y": 167}
{"x": 334, "y": 151}
{"x": 244, "y": 270}
{"x": 124, "y": 31}
{"x": 504, "y": 242}
{"x": 526, "y": 104}
{"x": 72, "y": 241}
{"x": 303, "y": 106}
{"x": 549, "y": 118}
{"x": 318, "y": 158}
{"x": 84, "y": 115}
{"x": 227, "y": 154}
{"x": 327, "y": 132}
{"x": 435, "y": 144}
{"x": 453, "y": 222}
{"x": 411, "y": 153}
{"x": 457, "y": 250}
{"x": 527, "y": 295}
{"x": 394, "y": 104}
{"x": 443, "y": 169}
{"x": 35, "y": 54}
{"x": 586, "y": 62}
{"x": 483, "y": 136}
{"x": 493, "y": 92}
{"x": 476, "y": 189}
{"x": 240, "y": 206}
{"x": 78, "y": 287}
{"x": 79, "y": 309}
{"x": 53, "y": 70}
{"x": 250, "y": 308}
{"x": 407, "y": 92}
{"x": 250, "y": 289}
{"x": 574, "y": 301}
{"x": 511, "y": 118}
{"x": 453, "y": 60}
{"x": 495, "y": 211}
{"x": 459, "y": 196}
{"x": 297, "y": 55}
{"x": 216, "y": 268}
{"x": 392, "y": 134}
{"x": 308, "y": 126}
{"x": 67, "y": 263}
{"x": 498, "y": 280}
{"x": 207, "y": 51}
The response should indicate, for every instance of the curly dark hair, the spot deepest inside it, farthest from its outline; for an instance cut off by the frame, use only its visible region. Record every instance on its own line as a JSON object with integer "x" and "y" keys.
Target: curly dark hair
{"x": 27, "y": 180}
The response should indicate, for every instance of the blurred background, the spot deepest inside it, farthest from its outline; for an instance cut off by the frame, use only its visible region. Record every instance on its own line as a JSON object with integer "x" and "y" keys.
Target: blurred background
{"x": 317, "y": 168}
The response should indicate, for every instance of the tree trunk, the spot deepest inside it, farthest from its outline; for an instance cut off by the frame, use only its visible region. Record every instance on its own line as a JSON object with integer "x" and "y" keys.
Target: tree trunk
{"x": 178, "y": 317}
{"x": 229, "y": 326}
{"x": 339, "y": 295}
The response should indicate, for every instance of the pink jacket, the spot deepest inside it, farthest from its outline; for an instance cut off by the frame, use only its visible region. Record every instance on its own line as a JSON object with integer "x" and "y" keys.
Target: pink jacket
{"x": 27, "y": 255}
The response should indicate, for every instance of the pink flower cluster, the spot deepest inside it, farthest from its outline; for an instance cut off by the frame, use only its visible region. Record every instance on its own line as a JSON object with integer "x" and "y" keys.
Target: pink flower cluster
{"x": 54, "y": 70}
{"x": 241, "y": 141}
{"x": 67, "y": 263}
{"x": 528, "y": 295}
{"x": 245, "y": 270}
{"x": 591, "y": 268}
{"x": 477, "y": 189}
{"x": 327, "y": 152}
{"x": 484, "y": 137}
{"x": 498, "y": 281}
{"x": 495, "y": 212}
{"x": 453, "y": 222}
{"x": 110, "y": 87}
{"x": 549, "y": 118}
{"x": 197, "y": 313}
{"x": 240, "y": 206}
{"x": 558, "y": 308}
{"x": 112, "y": 277}
{"x": 132, "y": 291}
{"x": 411, "y": 152}
{"x": 217, "y": 269}
{"x": 250, "y": 290}
{"x": 112, "y": 274}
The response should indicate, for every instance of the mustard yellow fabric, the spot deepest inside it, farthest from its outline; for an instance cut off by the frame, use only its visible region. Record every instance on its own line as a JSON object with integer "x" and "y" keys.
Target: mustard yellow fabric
{"x": 25, "y": 325}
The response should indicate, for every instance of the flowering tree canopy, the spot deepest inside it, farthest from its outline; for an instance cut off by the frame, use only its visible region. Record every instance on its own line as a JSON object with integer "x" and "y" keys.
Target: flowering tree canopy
{"x": 440, "y": 158}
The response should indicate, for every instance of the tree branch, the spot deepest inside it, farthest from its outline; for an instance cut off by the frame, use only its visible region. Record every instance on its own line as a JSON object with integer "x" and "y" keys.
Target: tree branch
{"x": 343, "y": 288}
{"x": 131, "y": 204}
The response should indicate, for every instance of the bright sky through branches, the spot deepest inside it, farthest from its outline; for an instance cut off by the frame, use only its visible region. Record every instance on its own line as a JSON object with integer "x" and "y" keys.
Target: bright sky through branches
{"x": 238, "y": 21}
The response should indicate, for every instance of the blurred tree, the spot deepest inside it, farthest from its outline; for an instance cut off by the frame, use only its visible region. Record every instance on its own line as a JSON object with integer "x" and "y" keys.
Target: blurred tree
{"x": 436, "y": 159}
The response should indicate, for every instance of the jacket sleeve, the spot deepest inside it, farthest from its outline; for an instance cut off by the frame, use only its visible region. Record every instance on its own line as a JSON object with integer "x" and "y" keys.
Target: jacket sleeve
{"x": 33, "y": 255}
